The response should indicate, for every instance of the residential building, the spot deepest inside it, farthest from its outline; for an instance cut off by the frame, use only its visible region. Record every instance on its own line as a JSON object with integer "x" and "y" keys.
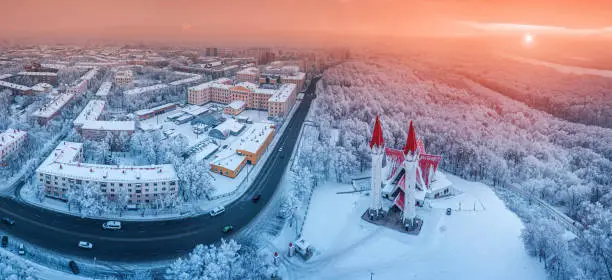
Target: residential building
{"x": 92, "y": 111}
{"x": 52, "y": 109}
{"x": 41, "y": 77}
{"x": 155, "y": 111}
{"x": 63, "y": 169}
{"x": 10, "y": 142}
{"x": 280, "y": 104}
{"x": 123, "y": 77}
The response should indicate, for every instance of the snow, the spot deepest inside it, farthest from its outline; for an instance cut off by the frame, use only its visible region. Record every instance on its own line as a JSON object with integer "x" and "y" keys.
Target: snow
{"x": 109, "y": 125}
{"x": 236, "y": 104}
{"x": 564, "y": 68}
{"x": 284, "y": 91}
{"x": 248, "y": 71}
{"x": 145, "y": 89}
{"x": 13, "y": 86}
{"x": 229, "y": 159}
{"x": 154, "y": 109}
{"x": 195, "y": 110}
{"x": 480, "y": 240}
{"x": 4, "y": 76}
{"x": 229, "y": 126}
{"x": 24, "y": 73}
{"x": 10, "y": 136}
{"x": 91, "y": 112}
{"x": 49, "y": 109}
{"x": 186, "y": 80}
{"x": 104, "y": 89}
{"x": 254, "y": 137}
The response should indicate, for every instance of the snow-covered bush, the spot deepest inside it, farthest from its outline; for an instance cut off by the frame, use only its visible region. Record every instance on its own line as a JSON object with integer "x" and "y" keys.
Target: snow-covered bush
{"x": 14, "y": 268}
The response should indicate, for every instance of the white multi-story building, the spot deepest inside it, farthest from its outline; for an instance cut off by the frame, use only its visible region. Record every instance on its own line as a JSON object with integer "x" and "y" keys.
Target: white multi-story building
{"x": 104, "y": 89}
{"x": 52, "y": 109}
{"x": 282, "y": 101}
{"x": 10, "y": 141}
{"x": 123, "y": 77}
{"x": 63, "y": 170}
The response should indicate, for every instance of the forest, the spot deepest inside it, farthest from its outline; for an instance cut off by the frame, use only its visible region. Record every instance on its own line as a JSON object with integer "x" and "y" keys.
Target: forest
{"x": 483, "y": 136}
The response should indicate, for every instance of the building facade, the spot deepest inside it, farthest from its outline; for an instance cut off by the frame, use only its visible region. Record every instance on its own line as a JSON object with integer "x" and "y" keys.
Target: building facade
{"x": 11, "y": 141}
{"x": 63, "y": 169}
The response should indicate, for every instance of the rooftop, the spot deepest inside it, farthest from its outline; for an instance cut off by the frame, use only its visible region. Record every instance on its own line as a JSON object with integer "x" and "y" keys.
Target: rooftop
{"x": 237, "y": 104}
{"x": 109, "y": 125}
{"x": 249, "y": 71}
{"x": 63, "y": 162}
{"x": 228, "y": 159}
{"x": 254, "y": 137}
{"x": 104, "y": 89}
{"x": 229, "y": 125}
{"x": 49, "y": 109}
{"x": 10, "y": 135}
{"x": 145, "y": 89}
{"x": 13, "y": 86}
{"x": 283, "y": 92}
{"x": 154, "y": 109}
{"x": 91, "y": 112}
{"x": 186, "y": 80}
{"x": 25, "y": 73}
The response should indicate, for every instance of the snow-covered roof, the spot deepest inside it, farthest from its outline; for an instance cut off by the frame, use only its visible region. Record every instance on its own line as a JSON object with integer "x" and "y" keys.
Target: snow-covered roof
{"x": 283, "y": 92}
{"x": 248, "y": 71}
{"x": 11, "y": 136}
{"x": 154, "y": 109}
{"x": 145, "y": 89}
{"x": 195, "y": 110}
{"x": 186, "y": 80}
{"x": 13, "y": 86}
{"x": 110, "y": 125}
{"x": 4, "y": 76}
{"x": 53, "y": 65}
{"x": 104, "y": 89}
{"x": 250, "y": 86}
{"x": 90, "y": 74}
{"x": 295, "y": 76}
{"x": 123, "y": 73}
{"x": 26, "y": 73}
{"x": 91, "y": 112}
{"x": 236, "y": 104}
{"x": 42, "y": 87}
{"x": 63, "y": 162}
{"x": 49, "y": 109}
{"x": 217, "y": 82}
{"x": 254, "y": 137}
{"x": 230, "y": 125}
{"x": 228, "y": 159}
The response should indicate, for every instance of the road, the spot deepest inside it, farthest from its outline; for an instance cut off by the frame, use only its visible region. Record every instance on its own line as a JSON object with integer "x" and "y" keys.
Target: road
{"x": 153, "y": 240}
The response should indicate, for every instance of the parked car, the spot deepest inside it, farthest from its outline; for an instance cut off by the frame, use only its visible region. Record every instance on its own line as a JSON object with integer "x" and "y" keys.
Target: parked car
{"x": 448, "y": 211}
{"x": 8, "y": 221}
{"x": 256, "y": 198}
{"x": 280, "y": 149}
{"x": 217, "y": 210}
{"x": 85, "y": 245}
{"x": 21, "y": 250}
{"x": 114, "y": 225}
{"x": 228, "y": 229}
{"x": 74, "y": 267}
{"x": 4, "y": 241}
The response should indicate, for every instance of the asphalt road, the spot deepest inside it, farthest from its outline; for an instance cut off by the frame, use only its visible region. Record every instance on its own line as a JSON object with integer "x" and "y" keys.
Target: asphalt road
{"x": 149, "y": 241}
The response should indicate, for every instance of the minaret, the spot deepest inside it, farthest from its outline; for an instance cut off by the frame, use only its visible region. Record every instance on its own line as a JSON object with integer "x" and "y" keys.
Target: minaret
{"x": 411, "y": 156}
{"x": 377, "y": 147}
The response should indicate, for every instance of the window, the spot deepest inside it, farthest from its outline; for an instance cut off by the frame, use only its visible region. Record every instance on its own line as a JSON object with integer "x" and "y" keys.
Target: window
{"x": 138, "y": 191}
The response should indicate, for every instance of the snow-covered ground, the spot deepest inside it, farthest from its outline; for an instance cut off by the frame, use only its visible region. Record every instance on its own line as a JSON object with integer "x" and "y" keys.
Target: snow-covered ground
{"x": 480, "y": 240}
{"x": 564, "y": 68}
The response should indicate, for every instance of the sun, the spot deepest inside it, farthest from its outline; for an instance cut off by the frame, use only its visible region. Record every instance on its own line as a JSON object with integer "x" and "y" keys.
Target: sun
{"x": 528, "y": 38}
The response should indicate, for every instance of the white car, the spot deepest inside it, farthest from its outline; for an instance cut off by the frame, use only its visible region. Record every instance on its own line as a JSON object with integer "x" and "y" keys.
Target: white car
{"x": 21, "y": 249}
{"x": 116, "y": 225}
{"x": 85, "y": 245}
{"x": 217, "y": 210}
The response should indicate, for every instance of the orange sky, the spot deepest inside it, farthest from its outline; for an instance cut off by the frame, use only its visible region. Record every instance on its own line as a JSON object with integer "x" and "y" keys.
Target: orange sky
{"x": 251, "y": 19}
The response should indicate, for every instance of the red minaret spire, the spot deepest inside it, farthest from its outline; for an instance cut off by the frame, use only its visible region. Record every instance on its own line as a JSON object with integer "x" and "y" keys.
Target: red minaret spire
{"x": 411, "y": 142}
{"x": 377, "y": 135}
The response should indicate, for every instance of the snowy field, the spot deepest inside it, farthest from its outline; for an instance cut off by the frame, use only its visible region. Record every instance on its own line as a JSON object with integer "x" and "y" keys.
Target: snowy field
{"x": 480, "y": 240}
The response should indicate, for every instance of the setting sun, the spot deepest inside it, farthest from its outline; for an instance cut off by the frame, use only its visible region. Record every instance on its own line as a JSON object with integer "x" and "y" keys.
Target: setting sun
{"x": 528, "y": 38}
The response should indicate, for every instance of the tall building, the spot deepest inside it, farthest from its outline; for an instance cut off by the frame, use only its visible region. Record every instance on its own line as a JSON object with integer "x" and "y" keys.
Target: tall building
{"x": 212, "y": 52}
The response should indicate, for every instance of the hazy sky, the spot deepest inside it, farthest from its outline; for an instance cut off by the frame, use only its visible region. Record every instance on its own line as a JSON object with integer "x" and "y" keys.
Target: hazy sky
{"x": 195, "y": 20}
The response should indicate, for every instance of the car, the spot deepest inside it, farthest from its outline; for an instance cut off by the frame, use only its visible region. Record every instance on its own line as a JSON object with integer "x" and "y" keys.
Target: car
{"x": 85, "y": 245}
{"x": 114, "y": 225}
{"x": 74, "y": 267}
{"x": 280, "y": 149}
{"x": 228, "y": 229}
{"x": 217, "y": 210}
{"x": 256, "y": 198}
{"x": 8, "y": 221}
{"x": 448, "y": 211}
{"x": 4, "y": 241}
{"x": 21, "y": 250}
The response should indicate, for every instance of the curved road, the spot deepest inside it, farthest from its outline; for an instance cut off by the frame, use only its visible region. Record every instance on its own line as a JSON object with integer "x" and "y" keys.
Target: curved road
{"x": 154, "y": 240}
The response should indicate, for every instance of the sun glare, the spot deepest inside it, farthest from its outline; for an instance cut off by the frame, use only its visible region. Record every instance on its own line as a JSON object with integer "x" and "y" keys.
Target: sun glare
{"x": 528, "y": 38}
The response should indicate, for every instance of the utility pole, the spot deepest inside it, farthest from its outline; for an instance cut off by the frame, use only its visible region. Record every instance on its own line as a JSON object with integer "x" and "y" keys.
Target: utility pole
{"x": 95, "y": 269}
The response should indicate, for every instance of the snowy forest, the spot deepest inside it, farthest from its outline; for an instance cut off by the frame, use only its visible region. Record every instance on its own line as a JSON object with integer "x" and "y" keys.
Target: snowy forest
{"x": 483, "y": 136}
